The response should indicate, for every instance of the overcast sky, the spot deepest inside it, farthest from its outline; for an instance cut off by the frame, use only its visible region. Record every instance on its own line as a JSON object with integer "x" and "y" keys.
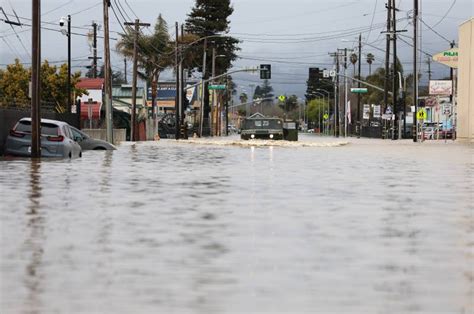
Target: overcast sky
{"x": 286, "y": 34}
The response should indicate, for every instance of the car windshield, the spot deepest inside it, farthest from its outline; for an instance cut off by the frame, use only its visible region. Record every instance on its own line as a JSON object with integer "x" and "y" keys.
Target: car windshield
{"x": 263, "y": 124}
{"x": 46, "y": 128}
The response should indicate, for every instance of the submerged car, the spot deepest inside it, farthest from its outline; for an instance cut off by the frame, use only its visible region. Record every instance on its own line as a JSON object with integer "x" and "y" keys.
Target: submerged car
{"x": 262, "y": 128}
{"x": 56, "y": 140}
{"x": 88, "y": 143}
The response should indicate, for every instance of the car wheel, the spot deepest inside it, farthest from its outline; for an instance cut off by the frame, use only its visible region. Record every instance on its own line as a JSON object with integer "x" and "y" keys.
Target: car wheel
{"x": 70, "y": 155}
{"x": 80, "y": 154}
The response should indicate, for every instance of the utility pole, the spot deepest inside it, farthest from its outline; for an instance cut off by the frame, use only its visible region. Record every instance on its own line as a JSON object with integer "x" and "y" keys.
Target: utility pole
{"x": 69, "y": 100}
{"x": 94, "y": 51}
{"x": 181, "y": 88}
{"x": 345, "y": 92}
{"x": 359, "y": 124}
{"x": 428, "y": 62}
{"x": 415, "y": 68}
{"x": 35, "y": 80}
{"x": 213, "y": 109}
{"x": 94, "y": 48}
{"x": 108, "y": 75}
{"x": 387, "y": 56}
{"x": 125, "y": 70}
{"x": 394, "y": 78}
{"x": 178, "y": 94}
{"x": 451, "y": 75}
{"x": 203, "y": 87}
{"x": 336, "y": 56}
{"x": 137, "y": 25}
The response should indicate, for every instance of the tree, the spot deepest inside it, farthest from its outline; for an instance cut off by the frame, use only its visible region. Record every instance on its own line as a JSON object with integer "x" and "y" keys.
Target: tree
{"x": 370, "y": 59}
{"x": 155, "y": 52}
{"x": 290, "y": 103}
{"x": 118, "y": 78}
{"x": 263, "y": 91}
{"x": 353, "y": 58}
{"x": 243, "y": 98}
{"x": 313, "y": 87}
{"x": 14, "y": 84}
{"x": 208, "y": 18}
{"x": 54, "y": 89}
{"x": 315, "y": 111}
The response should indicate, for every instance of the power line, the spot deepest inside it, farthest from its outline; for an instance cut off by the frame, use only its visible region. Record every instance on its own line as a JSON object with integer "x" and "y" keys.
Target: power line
{"x": 446, "y": 14}
{"x": 434, "y": 31}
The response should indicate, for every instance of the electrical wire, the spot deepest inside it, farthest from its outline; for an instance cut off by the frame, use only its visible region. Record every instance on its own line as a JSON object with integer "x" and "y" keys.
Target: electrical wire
{"x": 446, "y": 14}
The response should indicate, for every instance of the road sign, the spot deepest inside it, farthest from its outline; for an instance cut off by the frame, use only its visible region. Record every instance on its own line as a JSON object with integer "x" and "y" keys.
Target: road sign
{"x": 377, "y": 110}
{"x": 326, "y": 73}
{"x": 217, "y": 87}
{"x": 359, "y": 90}
{"x": 447, "y": 109}
{"x": 421, "y": 114}
{"x": 326, "y": 116}
{"x": 282, "y": 98}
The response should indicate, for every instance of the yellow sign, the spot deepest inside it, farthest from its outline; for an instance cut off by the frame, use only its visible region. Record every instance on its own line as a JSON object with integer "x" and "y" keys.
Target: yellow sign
{"x": 281, "y": 98}
{"x": 448, "y": 57}
{"x": 326, "y": 116}
{"x": 421, "y": 114}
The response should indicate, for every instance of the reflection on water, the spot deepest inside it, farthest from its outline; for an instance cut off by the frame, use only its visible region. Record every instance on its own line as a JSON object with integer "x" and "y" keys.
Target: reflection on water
{"x": 173, "y": 228}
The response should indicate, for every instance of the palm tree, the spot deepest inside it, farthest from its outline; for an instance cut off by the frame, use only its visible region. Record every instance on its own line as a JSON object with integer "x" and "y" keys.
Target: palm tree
{"x": 370, "y": 59}
{"x": 354, "y": 59}
{"x": 155, "y": 52}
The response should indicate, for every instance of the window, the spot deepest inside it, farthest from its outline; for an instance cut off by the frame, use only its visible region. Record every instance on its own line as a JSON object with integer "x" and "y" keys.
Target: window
{"x": 258, "y": 123}
{"x": 266, "y": 123}
{"x": 46, "y": 128}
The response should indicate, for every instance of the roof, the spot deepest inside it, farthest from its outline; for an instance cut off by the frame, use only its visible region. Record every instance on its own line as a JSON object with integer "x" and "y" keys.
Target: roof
{"x": 46, "y": 121}
{"x": 256, "y": 115}
{"x": 90, "y": 83}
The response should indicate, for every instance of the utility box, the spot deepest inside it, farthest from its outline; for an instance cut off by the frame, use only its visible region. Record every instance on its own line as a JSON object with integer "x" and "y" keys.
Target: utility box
{"x": 290, "y": 131}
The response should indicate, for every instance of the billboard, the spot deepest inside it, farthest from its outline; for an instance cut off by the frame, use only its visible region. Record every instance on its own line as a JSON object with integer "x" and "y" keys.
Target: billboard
{"x": 448, "y": 57}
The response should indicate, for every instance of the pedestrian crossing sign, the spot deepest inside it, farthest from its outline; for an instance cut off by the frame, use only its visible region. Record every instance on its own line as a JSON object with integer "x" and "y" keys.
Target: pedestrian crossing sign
{"x": 421, "y": 114}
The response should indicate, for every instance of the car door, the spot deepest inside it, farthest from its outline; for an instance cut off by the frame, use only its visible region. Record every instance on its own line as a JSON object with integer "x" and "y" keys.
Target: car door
{"x": 75, "y": 148}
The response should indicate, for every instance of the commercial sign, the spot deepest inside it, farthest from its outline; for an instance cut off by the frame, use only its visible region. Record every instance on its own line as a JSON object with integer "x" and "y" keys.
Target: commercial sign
{"x": 366, "y": 112}
{"x": 448, "y": 57}
{"x": 441, "y": 88}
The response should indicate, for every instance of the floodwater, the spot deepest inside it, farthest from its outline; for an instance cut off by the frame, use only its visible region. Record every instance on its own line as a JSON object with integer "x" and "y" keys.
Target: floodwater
{"x": 369, "y": 227}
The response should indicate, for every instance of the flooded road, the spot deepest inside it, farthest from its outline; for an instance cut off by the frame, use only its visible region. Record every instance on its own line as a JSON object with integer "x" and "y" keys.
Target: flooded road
{"x": 166, "y": 227}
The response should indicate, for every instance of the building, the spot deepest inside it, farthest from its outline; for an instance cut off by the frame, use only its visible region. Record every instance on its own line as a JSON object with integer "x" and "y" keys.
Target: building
{"x": 465, "y": 107}
{"x": 166, "y": 95}
{"x": 122, "y": 98}
{"x": 91, "y": 104}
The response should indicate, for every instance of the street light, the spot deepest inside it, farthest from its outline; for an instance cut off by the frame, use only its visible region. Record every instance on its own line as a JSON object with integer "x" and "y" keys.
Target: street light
{"x": 67, "y": 32}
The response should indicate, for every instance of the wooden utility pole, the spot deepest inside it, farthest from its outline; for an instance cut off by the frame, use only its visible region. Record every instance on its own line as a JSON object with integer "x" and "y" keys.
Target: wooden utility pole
{"x": 107, "y": 75}
{"x": 35, "y": 80}
{"x": 69, "y": 92}
{"x": 359, "y": 124}
{"x": 125, "y": 70}
{"x": 415, "y": 68}
{"x": 213, "y": 74}
{"x": 178, "y": 94}
{"x": 94, "y": 51}
{"x": 387, "y": 56}
{"x": 395, "y": 71}
{"x": 136, "y": 25}
{"x": 203, "y": 87}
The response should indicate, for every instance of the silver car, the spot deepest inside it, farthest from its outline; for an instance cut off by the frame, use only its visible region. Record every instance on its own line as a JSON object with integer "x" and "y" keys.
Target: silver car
{"x": 56, "y": 140}
{"x": 88, "y": 143}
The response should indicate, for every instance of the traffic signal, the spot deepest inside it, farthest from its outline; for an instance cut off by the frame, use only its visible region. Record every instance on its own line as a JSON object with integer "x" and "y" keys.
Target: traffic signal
{"x": 265, "y": 71}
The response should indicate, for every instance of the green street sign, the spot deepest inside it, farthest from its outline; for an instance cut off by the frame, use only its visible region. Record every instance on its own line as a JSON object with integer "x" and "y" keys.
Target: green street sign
{"x": 281, "y": 98}
{"x": 326, "y": 116}
{"x": 217, "y": 87}
{"x": 359, "y": 90}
